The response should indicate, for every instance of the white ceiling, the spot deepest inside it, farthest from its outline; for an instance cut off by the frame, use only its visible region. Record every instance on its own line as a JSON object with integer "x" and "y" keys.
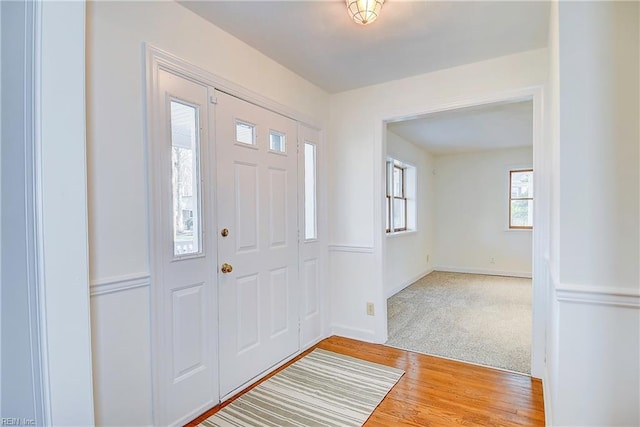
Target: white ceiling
{"x": 318, "y": 40}
{"x": 486, "y": 127}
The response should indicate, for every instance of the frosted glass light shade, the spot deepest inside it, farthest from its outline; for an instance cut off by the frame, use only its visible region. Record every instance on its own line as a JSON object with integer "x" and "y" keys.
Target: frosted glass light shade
{"x": 364, "y": 11}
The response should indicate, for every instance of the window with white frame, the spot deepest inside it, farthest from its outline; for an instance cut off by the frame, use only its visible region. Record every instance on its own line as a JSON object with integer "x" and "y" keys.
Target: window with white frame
{"x": 521, "y": 199}
{"x": 400, "y": 197}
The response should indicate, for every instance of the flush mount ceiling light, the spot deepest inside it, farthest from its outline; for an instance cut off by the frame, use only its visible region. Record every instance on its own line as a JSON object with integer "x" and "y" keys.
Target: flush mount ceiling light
{"x": 364, "y": 11}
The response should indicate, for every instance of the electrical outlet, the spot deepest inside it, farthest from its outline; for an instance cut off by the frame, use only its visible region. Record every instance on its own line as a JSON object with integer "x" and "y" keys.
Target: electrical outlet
{"x": 428, "y": 257}
{"x": 492, "y": 260}
{"x": 370, "y": 309}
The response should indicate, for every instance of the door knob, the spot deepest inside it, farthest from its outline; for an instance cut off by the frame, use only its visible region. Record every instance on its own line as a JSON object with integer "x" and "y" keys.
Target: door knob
{"x": 224, "y": 232}
{"x": 226, "y": 268}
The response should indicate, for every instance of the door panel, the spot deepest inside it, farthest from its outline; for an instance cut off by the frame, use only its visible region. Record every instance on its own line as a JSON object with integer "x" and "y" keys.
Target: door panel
{"x": 258, "y": 298}
{"x": 246, "y": 209}
{"x": 188, "y": 332}
{"x": 278, "y": 207}
{"x": 185, "y": 258}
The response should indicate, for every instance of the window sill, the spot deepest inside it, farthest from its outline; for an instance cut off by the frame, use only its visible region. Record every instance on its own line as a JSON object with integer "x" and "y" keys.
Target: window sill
{"x": 519, "y": 230}
{"x": 401, "y": 233}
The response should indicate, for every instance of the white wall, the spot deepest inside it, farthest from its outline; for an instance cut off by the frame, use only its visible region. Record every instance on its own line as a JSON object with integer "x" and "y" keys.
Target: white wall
{"x": 472, "y": 213}
{"x": 356, "y": 215}
{"x": 118, "y": 208}
{"x": 594, "y": 295}
{"x": 599, "y": 144}
{"x": 405, "y": 258}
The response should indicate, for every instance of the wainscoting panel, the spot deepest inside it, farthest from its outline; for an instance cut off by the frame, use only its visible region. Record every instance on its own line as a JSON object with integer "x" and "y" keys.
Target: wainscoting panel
{"x": 593, "y": 345}
{"x": 121, "y": 347}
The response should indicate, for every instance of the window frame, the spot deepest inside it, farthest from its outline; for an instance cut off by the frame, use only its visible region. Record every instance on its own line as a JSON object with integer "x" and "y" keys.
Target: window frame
{"x": 196, "y": 181}
{"x": 392, "y": 165}
{"x": 511, "y": 199}
{"x": 310, "y": 210}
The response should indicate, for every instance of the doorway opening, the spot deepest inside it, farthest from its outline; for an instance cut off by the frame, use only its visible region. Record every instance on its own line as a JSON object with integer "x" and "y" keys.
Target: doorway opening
{"x": 462, "y": 284}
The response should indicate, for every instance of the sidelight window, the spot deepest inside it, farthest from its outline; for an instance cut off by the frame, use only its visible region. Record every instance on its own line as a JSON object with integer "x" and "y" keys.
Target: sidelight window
{"x": 185, "y": 177}
{"x": 310, "y": 210}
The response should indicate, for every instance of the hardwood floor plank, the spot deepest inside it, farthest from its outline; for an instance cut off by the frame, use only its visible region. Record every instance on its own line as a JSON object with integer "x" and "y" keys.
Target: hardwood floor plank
{"x": 440, "y": 392}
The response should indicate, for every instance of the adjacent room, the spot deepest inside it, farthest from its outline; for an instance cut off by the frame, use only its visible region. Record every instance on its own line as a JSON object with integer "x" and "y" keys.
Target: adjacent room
{"x": 459, "y": 234}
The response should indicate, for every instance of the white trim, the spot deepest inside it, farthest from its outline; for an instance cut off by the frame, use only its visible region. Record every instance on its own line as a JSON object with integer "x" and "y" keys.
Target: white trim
{"x": 523, "y": 274}
{"x": 547, "y": 398}
{"x": 407, "y": 283}
{"x": 38, "y": 203}
{"x": 354, "y": 333}
{"x": 401, "y": 233}
{"x": 119, "y": 283}
{"x": 352, "y": 249}
{"x": 507, "y": 96}
{"x": 56, "y": 23}
{"x": 598, "y": 295}
{"x": 158, "y": 58}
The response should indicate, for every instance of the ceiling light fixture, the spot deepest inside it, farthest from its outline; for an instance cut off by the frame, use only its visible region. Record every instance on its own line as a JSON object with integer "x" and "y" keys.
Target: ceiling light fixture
{"x": 364, "y": 11}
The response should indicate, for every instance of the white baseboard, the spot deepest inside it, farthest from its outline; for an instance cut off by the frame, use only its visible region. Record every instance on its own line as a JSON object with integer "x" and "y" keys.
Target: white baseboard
{"x": 406, "y": 283}
{"x": 546, "y": 396}
{"x": 523, "y": 274}
{"x": 354, "y": 333}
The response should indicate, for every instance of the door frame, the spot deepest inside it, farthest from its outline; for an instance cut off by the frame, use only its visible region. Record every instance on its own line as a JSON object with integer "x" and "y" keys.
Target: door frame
{"x": 156, "y": 59}
{"x": 542, "y": 220}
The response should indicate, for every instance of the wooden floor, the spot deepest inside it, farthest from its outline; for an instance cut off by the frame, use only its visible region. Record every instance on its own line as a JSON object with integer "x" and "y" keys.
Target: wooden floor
{"x": 441, "y": 392}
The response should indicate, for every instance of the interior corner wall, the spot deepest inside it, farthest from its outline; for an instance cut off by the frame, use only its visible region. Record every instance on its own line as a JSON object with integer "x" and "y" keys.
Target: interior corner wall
{"x": 472, "y": 214}
{"x": 593, "y": 342}
{"x": 599, "y": 144}
{"x": 117, "y": 176}
{"x": 405, "y": 257}
{"x": 355, "y": 132}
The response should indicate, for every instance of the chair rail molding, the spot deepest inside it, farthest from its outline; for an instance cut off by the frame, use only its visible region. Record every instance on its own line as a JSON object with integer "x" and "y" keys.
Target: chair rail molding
{"x": 119, "y": 283}
{"x": 352, "y": 248}
{"x": 598, "y": 295}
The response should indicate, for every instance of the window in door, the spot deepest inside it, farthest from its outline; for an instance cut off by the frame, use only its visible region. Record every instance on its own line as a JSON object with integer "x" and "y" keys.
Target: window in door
{"x": 277, "y": 142}
{"x": 521, "y": 199}
{"x": 185, "y": 177}
{"x": 245, "y": 133}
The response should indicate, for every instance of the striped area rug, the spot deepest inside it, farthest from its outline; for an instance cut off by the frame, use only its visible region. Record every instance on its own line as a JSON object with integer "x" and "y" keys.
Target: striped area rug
{"x": 321, "y": 389}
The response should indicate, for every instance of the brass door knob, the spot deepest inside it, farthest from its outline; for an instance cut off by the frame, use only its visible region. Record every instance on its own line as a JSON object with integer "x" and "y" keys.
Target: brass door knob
{"x": 224, "y": 232}
{"x": 226, "y": 268}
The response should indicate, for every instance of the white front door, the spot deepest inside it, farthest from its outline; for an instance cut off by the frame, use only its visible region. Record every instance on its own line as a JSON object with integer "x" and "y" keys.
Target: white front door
{"x": 185, "y": 258}
{"x": 257, "y": 239}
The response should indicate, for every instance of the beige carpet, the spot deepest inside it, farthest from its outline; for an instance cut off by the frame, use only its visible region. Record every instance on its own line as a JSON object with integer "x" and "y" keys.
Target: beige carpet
{"x": 470, "y": 317}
